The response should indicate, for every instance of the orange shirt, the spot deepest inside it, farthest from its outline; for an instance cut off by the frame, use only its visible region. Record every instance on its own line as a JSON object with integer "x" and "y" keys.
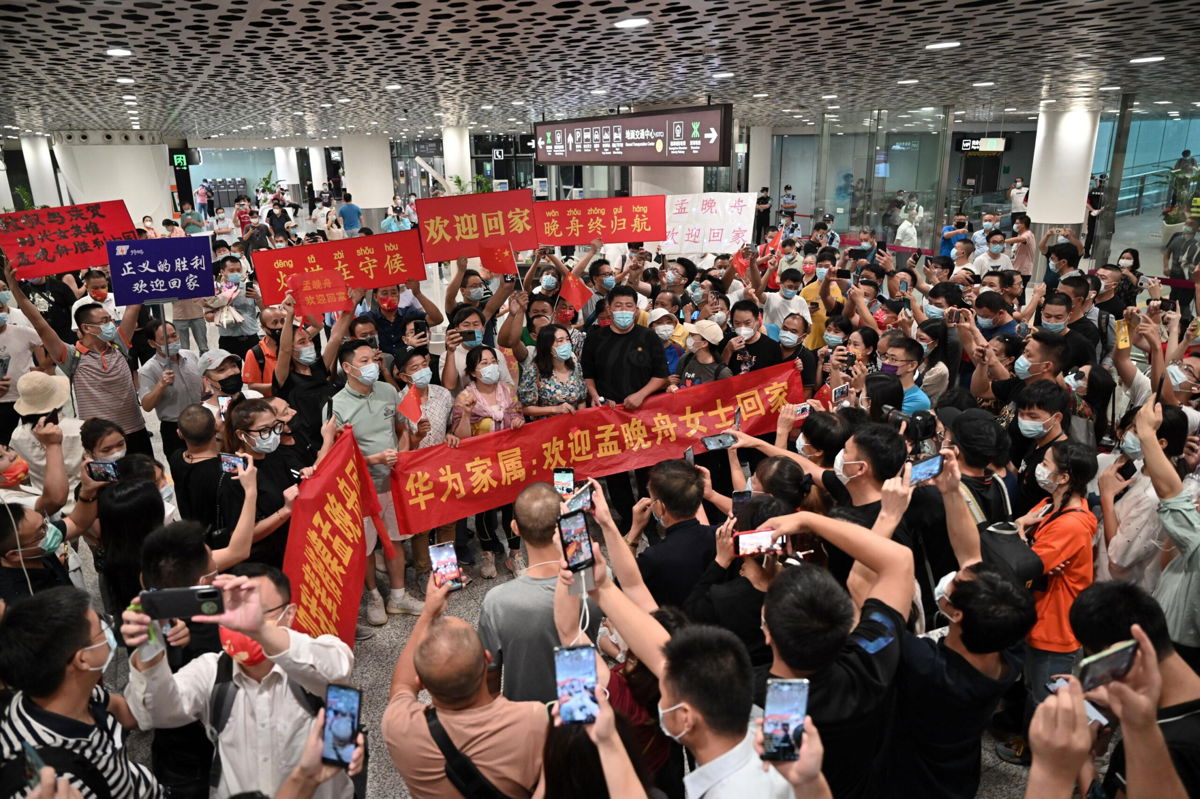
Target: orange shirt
{"x": 1063, "y": 538}
{"x": 251, "y": 373}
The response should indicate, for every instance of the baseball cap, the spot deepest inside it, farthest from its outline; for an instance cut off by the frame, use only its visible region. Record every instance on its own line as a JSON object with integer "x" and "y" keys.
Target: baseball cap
{"x": 215, "y": 358}
{"x": 706, "y": 328}
{"x": 659, "y": 313}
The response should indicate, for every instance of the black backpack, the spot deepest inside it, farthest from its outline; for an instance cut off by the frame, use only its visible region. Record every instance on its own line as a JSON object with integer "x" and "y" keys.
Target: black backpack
{"x": 1006, "y": 551}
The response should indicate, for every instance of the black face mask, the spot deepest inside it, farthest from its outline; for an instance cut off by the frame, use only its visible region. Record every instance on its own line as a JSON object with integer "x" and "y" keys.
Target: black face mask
{"x": 230, "y": 385}
{"x": 275, "y": 334}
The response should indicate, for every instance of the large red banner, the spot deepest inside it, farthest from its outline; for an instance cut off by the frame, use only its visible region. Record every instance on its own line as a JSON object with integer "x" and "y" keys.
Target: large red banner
{"x": 442, "y": 484}
{"x": 457, "y": 226}
{"x": 50, "y": 241}
{"x": 326, "y": 555}
{"x": 613, "y": 219}
{"x": 366, "y": 262}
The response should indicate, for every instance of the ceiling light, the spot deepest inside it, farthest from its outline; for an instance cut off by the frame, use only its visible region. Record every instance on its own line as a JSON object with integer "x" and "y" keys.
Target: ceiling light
{"x": 117, "y": 52}
{"x": 903, "y": 116}
{"x": 832, "y": 107}
{"x": 760, "y": 95}
{"x": 798, "y": 116}
{"x": 125, "y": 81}
{"x": 1010, "y": 109}
{"x": 128, "y": 96}
{"x": 391, "y": 87}
{"x": 343, "y": 99}
{"x": 956, "y": 113}
{"x": 1146, "y": 60}
{"x": 943, "y": 45}
{"x": 635, "y": 22}
{"x": 297, "y": 113}
{"x": 1108, "y": 88}
{"x": 722, "y": 75}
{"x": 1049, "y": 101}
{"x": 927, "y": 108}
{"x": 518, "y": 102}
{"x": 1162, "y": 102}
{"x": 1031, "y": 117}
{"x": 983, "y": 83}
{"x": 487, "y": 107}
{"x": 438, "y": 114}
{"x": 828, "y": 96}
{"x": 787, "y": 110}
{"x": 907, "y": 82}
{"x": 326, "y": 105}
{"x": 599, "y": 91}
{"x": 512, "y": 119}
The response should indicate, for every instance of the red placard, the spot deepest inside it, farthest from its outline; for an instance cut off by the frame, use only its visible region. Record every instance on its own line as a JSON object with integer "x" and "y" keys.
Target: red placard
{"x": 319, "y": 292}
{"x": 440, "y": 484}
{"x": 453, "y": 227}
{"x": 365, "y": 262}
{"x": 498, "y": 260}
{"x": 50, "y": 241}
{"x": 613, "y": 219}
{"x": 326, "y": 555}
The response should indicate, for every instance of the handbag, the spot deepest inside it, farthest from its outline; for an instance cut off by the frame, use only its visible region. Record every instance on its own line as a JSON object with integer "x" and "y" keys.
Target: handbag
{"x": 1001, "y": 545}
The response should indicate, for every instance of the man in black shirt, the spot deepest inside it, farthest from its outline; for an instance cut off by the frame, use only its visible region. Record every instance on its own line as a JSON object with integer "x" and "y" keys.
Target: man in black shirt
{"x": 53, "y": 299}
{"x": 1044, "y": 359}
{"x": 979, "y": 443}
{"x": 808, "y": 621}
{"x": 1101, "y": 616}
{"x": 1108, "y": 300}
{"x": 762, "y": 214}
{"x": 749, "y": 350}
{"x": 672, "y": 567}
{"x": 1041, "y": 419}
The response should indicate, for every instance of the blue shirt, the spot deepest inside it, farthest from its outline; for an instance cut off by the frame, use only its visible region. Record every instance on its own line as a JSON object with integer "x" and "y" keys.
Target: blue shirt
{"x": 947, "y": 247}
{"x": 915, "y": 400}
{"x": 351, "y": 216}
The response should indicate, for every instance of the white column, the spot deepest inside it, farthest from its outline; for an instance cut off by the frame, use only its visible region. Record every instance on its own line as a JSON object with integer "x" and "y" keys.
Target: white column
{"x": 139, "y": 174}
{"x": 758, "y": 171}
{"x": 41, "y": 170}
{"x": 1062, "y": 166}
{"x": 367, "y": 161}
{"x": 286, "y": 168}
{"x": 316, "y": 165}
{"x": 6, "y": 197}
{"x": 666, "y": 180}
{"x": 456, "y": 146}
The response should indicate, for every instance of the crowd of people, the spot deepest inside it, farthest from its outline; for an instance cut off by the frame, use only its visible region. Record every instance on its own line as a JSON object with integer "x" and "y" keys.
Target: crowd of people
{"x": 986, "y": 481}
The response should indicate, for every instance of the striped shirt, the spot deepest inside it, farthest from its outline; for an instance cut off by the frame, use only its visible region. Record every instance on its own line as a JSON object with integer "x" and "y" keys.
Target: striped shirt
{"x": 100, "y": 744}
{"x": 103, "y": 384}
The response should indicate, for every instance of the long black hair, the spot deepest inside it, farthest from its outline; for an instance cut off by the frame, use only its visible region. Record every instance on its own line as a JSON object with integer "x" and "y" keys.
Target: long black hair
{"x": 940, "y": 352}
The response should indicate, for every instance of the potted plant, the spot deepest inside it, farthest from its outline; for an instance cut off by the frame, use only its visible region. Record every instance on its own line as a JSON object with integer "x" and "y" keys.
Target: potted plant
{"x": 1181, "y": 187}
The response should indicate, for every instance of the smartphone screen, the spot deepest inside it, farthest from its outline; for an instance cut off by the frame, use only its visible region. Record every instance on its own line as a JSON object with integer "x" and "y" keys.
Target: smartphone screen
{"x": 581, "y": 499}
{"x": 230, "y": 463}
{"x": 803, "y": 410}
{"x": 575, "y": 677}
{"x": 342, "y": 705}
{"x": 719, "y": 441}
{"x": 740, "y": 497}
{"x": 783, "y": 718}
{"x": 757, "y": 542}
{"x": 926, "y": 470}
{"x": 223, "y": 404}
{"x": 841, "y": 392}
{"x": 33, "y": 766}
{"x": 1104, "y": 667}
{"x": 689, "y": 455}
{"x": 737, "y": 419}
{"x": 102, "y": 472}
{"x": 576, "y": 543}
{"x": 564, "y": 482}
{"x": 445, "y": 565}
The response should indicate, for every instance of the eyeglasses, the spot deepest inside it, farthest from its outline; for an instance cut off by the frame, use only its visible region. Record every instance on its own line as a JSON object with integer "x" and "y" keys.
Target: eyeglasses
{"x": 266, "y": 432}
{"x": 894, "y": 361}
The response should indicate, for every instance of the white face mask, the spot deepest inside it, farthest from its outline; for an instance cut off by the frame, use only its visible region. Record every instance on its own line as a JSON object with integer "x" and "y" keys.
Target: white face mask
{"x": 662, "y": 723}
{"x": 1045, "y": 479}
{"x": 664, "y": 331}
{"x": 839, "y": 467}
{"x": 939, "y": 590}
{"x": 719, "y": 318}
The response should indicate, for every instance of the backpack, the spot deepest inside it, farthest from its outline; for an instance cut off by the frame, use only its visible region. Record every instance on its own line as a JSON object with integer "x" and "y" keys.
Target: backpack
{"x": 1011, "y": 556}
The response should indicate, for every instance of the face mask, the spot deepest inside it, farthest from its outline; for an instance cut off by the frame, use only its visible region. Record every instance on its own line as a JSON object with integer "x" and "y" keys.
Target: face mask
{"x": 52, "y": 539}
{"x": 1178, "y": 376}
{"x": 988, "y": 225}
{"x": 549, "y": 283}
{"x": 1131, "y": 446}
{"x": 744, "y": 332}
{"x": 563, "y": 351}
{"x": 933, "y": 312}
{"x": 719, "y": 318}
{"x": 265, "y": 446}
{"x": 111, "y": 457}
{"x": 889, "y": 368}
{"x": 787, "y": 294}
{"x": 472, "y": 338}
{"x": 663, "y": 332}
{"x": 388, "y": 303}
{"x": 927, "y": 346}
{"x": 608, "y": 282}
{"x": 368, "y": 374}
{"x": 1044, "y": 479}
{"x": 832, "y": 340}
{"x": 1031, "y": 429}
{"x": 1023, "y": 367}
{"x": 99, "y": 295}
{"x": 171, "y": 350}
{"x": 939, "y": 590}
{"x": 1125, "y": 263}
{"x": 821, "y": 272}
{"x": 107, "y": 332}
{"x": 475, "y": 294}
{"x": 233, "y": 278}
{"x": 422, "y": 377}
{"x": 1018, "y": 184}
{"x": 565, "y": 316}
{"x": 808, "y": 269}
{"x": 6, "y": 297}
{"x": 995, "y": 249}
{"x": 16, "y": 472}
{"x": 231, "y": 384}
{"x": 307, "y": 355}
{"x": 960, "y": 225}
{"x": 490, "y": 374}
{"x": 110, "y": 640}
{"x": 1063, "y": 239}
{"x": 669, "y": 278}
{"x": 623, "y": 319}
{"x": 3, "y": 319}
{"x": 241, "y": 647}
{"x": 788, "y": 339}
{"x": 839, "y": 467}
{"x": 1054, "y": 327}
{"x": 663, "y": 726}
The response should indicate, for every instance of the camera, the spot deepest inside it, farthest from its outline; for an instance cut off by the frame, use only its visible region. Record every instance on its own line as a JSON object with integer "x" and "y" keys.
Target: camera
{"x": 921, "y": 426}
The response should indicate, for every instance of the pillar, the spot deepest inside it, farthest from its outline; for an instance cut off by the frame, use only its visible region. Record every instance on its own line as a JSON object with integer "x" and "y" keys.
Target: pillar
{"x": 666, "y": 180}
{"x": 286, "y": 168}
{"x": 139, "y": 174}
{"x": 758, "y": 170}
{"x": 1062, "y": 167}
{"x": 40, "y": 167}
{"x": 367, "y": 161}
{"x": 1106, "y": 223}
{"x": 456, "y": 149}
{"x": 6, "y": 196}
{"x": 316, "y": 165}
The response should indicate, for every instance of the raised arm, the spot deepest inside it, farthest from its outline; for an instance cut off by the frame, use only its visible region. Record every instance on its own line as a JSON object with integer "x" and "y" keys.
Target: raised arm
{"x": 1155, "y": 462}
{"x": 287, "y": 340}
{"x": 960, "y": 524}
{"x": 243, "y": 532}
{"x": 337, "y": 333}
{"x": 129, "y": 322}
{"x": 404, "y": 675}
{"x": 644, "y": 635}
{"x": 498, "y": 299}
{"x": 621, "y": 558}
{"x": 581, "y": 266}
{"x": 455, "y": 283}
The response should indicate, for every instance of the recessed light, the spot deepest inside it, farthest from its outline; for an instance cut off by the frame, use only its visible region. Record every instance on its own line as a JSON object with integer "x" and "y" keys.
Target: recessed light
{"x": 798, "y": 116}
{"x": 983, "y": 83}
{"x": 131, "y": 102}
{"x": 128, "y": 96}
{"x": 326, "y": 105}
{"x": 125, "y": 81}
{"x": 1162, "y": 102}
{"x": 787, "y": 110}
{"x": 635, "y": 22}
{"x": 832, "y": 107}
{"x": 518, "y": 102}
{"x": 722, "y": 75}
{"x": 118, "y": 52}
{"x": 512, "y": 119}
{"x": 343, "y": 99}
{"x": 927, "y": 108}
{"x": 760, "y": 95}
{"x": 1108, "y": 88}
{"x": 1145, "y": 60}
{"x": 1031, "y": 117}
{"x": 391, "y": 87}
{"x": 599, "y": 91}
{"x": 828, "y": 96}
{"x": 438, "y": 114}
{"x": 943, "y": 45}
{"x": 1049, "y": 101}
{"x": 1010, "y": 109}
{"x": 956, "y": 113}
{"x": 907, "y": 82}
{"x": 487, "y": 107}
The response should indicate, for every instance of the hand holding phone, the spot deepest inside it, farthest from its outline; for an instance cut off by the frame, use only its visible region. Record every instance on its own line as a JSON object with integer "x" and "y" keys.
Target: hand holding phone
{"x": 1108, "y": 665}
{"x": 102, "y": 471}
{"x": 339, "y": 737}
{"x": 564, "y": 481}
{"x": 576, "y": 542}
{"x": 446, "y": 570}
{"x": 182, "y": 603}
{"x": 783, "y": 718}
{"x": 230, "y": 463}
{"x": 575, "y": 680}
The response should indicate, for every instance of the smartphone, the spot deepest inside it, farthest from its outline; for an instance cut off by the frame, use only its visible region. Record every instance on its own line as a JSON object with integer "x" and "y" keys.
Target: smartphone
{"x": 564, "y": 481}
{"x": 1143, "y": 282}
{"x": 182, "y": 603}
{"x": 1127, "y": 470}
{"x": 803, "y": 410}
{"x": 737, "y": 419}
{"x": 445, "y": 565}
{"x": 842, "y": 274}
{"x": 740, "y": 497}
{"x": 757, "y": 542}
{"x": 342, "y": 708}
{"x": 719, "y": 441}
{"x": 33, "y": 765}
{"x": 1104, "y": 667}
{"x": 230, "y": 463}
{"x": 223, "y": 405}
{"x": 841, "y": 392}
{"x": 689, "y": 455}
{"x": 926, "y": 469}
{"x": 4, "y": 362}
{"x": 1093, "y": 713}
{"x": 509, "y": 278}
{"x": 903, "y": 286}
{"x": 783, "y": 718}
{"x": 951, "y": 316}
{"x": 856, "y": 253}
{"x": 576, "y": 543}
{"x": 102, "y": 472}
{"x": 1123, "y": 342}
{"x": 575, "y": 681}
{"x": 420, "y": 326}
{"x": 581, "y": 499}
{"x": 1166, "y": 305}
{"x": 849, "y": 359}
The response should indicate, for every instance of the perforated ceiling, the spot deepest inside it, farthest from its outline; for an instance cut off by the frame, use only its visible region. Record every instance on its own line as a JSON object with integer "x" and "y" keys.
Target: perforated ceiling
{"x": 320, "y": 67}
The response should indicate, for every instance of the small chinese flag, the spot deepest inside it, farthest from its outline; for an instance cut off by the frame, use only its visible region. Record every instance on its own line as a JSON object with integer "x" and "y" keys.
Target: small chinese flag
{"x": 410, "y": 406}
{"x": 499, "y": 260}
{"x": 575, "y": 292}
{"x": 777, "y": 241}
{"x": 740, "y": 263}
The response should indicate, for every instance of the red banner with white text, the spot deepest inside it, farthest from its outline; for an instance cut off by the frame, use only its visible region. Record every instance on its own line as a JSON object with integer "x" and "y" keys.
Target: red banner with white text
{"x": 442, "y": 484}
{"x": 614, "y": 219}
{"x": 326, "y": 555}
{"x": 50, "y": 241}
{"x": 459, "y": 225}
{"x": 365, "y": 262}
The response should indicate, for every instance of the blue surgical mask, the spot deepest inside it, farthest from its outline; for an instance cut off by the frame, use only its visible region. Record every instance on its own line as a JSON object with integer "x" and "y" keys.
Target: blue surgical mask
{"x": 1063, "y": 239}
{"x": 307, "y": 355}
{"x": 108, "y": 332}
{"x": 173, "y": 348}
{"x": 475, "y": 294}
{"x": 1023, "y": 368}
{"x": 821, "y": 272}
{"x": 234, "y": 278}
{"x": 833, "y": 341}
{"x": 608, "y": 281}
{"x": 983, "y": 323}
{"x": 563, "y": 351}
{"x": 996, "y": 249}
{"x": 927, "y": 346}
{"x": 787, "y": 294}
{"x": 988, "y": 225}
{"x": 6, "y": 297}
{"x": 933, "y": 312}
{"x": 422, "y": 377}
{"x": 549, "y": 282}
{"x": 1031, "y": 429}
{"x": 490, "y": 374}
{"x": 110, "y": 640}
{"x": 1131, "y": 446}
{"x": 623, "y": 319}
{"x": 1054, "y": 327}
{"x": 1178, "y": 376}
{"x": 788, "y": 339}
{"x": 368, "y": 374}
{"x": 3, "y": 319}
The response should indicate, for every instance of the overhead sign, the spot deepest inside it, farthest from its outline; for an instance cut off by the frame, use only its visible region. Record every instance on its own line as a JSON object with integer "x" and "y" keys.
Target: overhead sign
{"x": 160, "y": 270}
{"x": 964, "y": 143}
{"x": 697, "y": 136}
{"x": 497, "y": 155}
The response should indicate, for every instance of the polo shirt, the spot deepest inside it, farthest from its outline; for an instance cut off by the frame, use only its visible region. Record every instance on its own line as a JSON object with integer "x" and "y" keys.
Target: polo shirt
{"x": 265, "y": 374}
{"x": 103, "y": 384}
{"x": 373, "y": 417}
{"x": 947, "y": 245}
{"x": 185, "y": 391}
{"x": 915, "y": 400}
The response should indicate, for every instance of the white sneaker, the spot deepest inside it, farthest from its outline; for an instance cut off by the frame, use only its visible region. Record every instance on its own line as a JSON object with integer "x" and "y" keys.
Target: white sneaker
{"x": 376, "y": 614}
{"x": 515, "y": 562}
{"x": 487, "y": 569}
{"x": 362, "y": 632}
{"x": 404, "y": 604}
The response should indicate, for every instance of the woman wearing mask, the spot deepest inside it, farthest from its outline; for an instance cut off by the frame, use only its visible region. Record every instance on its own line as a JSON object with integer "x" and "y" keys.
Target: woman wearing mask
{"x": 302, "y": 375}
{"x": 1131, "y": 273}
{"x": 234, "y": 308}
{"x": 1093, "y": 389}
{"x": 464, "y": 335}
{"x": 103, "y": 441}
{"x": 553, "y": 383}
{"x": 528, "y": 314}
{"x": 254, "y": 431}
{"x": 148, "y": 226}
{"x": 702, "y": 363}
{"x": 938, "y": 368}
{"x": 486, "y": 405}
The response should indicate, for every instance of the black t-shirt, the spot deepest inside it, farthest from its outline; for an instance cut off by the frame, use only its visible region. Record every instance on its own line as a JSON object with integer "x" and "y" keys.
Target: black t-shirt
{"x": 197, "y": 487}
{"x": 1180, "y": 725}
{"x": 53, "y": 299}
{"x": 988, "y": 493}
{"x": 276, "y": 472}
{"x": 851, "y": 702}
{"x": 308, "y": 394}
{"x": 12, "y": 581}
{"x": 839, "y": 562}
{"x": 1083, "y": 337}
{"x": 808, "y": 364}
{"x": 756, "y": 355}
{"x": 622, "y": 363}
{"x": 943, "y": 705}
{"x": 1114, "y": 306}
{"x": 1029, "y": 493}
{"x": 764, "y": 213}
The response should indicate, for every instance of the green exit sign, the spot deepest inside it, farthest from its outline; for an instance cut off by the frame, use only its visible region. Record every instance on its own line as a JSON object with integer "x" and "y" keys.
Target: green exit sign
{"x": 180, "y": 160}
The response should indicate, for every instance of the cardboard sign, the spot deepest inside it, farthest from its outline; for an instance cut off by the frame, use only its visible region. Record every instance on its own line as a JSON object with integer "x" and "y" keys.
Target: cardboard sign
{"x": 717, "y": 222}
{"x": 160, "y": 270}
{"x": 453, "y": 227}
{"x": 613, "y": 219}
{"x": 50, "y": 241}
{"x": 365, "y": 262}
{"x": 319, "y": 292}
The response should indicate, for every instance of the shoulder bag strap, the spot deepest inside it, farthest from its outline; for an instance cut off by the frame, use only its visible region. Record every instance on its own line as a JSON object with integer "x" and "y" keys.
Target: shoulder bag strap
{"x": 459, "y": 768}
{"x": 220, "y": 708}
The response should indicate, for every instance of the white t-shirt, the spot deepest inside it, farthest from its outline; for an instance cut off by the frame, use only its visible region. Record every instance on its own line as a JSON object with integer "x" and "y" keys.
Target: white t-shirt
{"x": 776, "y": 308}
{"x": 1018, "y": 198}
{"x": 110, "y": 305}
{"x": 984, "y": 263}
{"x": 906, "y": 234}
{"x": 17, "y": 344}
